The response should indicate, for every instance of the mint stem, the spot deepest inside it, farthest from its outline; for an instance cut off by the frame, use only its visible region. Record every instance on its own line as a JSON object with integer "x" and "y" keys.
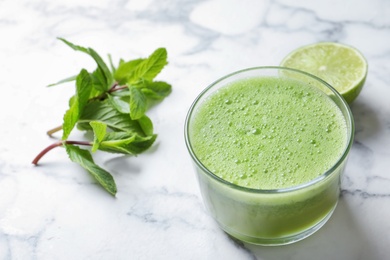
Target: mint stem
{"x": 117, "y": 88}
{"x": 57, "y": 144}
{"x": 54, "y": 130}
{"x": 113, "y": 87}
{"x": 104, "y": 95}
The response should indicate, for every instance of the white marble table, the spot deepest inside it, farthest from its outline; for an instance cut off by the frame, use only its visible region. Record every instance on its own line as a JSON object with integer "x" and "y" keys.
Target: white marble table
{"x": 56, "y": 211}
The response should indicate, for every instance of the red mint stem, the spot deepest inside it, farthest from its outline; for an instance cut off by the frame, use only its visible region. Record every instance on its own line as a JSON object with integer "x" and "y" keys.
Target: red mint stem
{"x": 113, "y": 87}
{"x": 44, "y": 151}
{"x": 117, "y": 88}
{"x": 54, "y": 145}
{"x": 78, "y": 142}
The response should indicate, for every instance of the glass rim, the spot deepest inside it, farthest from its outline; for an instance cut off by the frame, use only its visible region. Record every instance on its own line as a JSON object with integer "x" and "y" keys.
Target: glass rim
{"x": 340, "y": 160}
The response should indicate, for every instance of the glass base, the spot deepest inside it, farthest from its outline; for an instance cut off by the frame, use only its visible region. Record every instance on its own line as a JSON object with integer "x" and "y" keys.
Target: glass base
{"x": 280, "y": 240}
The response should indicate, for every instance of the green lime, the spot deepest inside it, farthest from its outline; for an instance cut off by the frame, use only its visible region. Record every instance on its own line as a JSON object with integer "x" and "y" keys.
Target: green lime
{"x": 342, "y": 66}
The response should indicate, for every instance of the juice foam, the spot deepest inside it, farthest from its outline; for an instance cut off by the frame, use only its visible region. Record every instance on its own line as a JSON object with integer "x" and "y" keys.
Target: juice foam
{"x": 268, "y": 133}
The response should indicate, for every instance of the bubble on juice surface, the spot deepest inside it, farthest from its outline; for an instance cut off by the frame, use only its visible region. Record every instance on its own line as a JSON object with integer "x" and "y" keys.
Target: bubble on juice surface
{"x": 240, "y": 135}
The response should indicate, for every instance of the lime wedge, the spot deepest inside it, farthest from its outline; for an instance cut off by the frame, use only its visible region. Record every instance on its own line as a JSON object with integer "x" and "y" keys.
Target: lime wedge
{"x": 342, "y": 66}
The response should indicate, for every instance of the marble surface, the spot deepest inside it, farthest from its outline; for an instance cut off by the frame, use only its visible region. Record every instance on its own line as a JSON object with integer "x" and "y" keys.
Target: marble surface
{"x": 56, "y": 211}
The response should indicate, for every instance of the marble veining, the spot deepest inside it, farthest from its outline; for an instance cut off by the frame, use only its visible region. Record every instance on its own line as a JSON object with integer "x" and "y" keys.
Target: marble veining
{"x": 56, "y": 211}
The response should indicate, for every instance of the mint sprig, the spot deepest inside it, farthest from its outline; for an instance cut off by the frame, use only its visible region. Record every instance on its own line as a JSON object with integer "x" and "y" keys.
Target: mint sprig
{"x": 110, "y": 102}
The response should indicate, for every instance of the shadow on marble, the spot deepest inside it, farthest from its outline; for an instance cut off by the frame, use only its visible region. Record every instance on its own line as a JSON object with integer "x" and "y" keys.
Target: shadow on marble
{"x": 339, "y": 238}
{"x": 123, "y": 163}
{"x": 118, "y": 164}
{"x": 367, "y": 123}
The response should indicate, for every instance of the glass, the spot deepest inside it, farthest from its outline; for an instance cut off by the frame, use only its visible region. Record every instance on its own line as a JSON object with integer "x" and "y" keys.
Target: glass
{"x": 278, "y": 216}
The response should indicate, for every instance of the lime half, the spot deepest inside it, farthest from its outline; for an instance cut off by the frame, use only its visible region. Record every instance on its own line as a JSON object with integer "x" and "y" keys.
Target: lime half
{"x": 342, "y": 66}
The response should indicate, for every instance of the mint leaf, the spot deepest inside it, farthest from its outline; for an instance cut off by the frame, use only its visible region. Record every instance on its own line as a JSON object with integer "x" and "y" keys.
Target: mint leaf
{"x": 122, "y": 93}
{"x": 156, "y": 90}
{"x": 126, "y": 70}
{"x": 121, "y": 103}
{"x": 104, "y": 71}
{"x": 150, "y": 67}
{"x": 117, "y": 142}
{"x": 72, "y": 78}
{"x": 103, "y": 111}
{"x": 73, "y": 46}
{"x": 137, "y": 103}
{"x": 113, "y": 69}
{"x": 146, "y": 125}
{"x": 78, "y": 102}
{"x": 99, "y": 81}
{"x": 126, "y": 143}
{"x": 99, "y": 131}
{"x": 113, "y": 110}
{"x": 141, "y": 144}
{"x": 102, "y": 67}
{"x": 84, "y": 159}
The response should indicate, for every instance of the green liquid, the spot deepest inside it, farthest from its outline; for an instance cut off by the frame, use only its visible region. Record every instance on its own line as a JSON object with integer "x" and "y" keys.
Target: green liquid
{"x": 268, "y": 133}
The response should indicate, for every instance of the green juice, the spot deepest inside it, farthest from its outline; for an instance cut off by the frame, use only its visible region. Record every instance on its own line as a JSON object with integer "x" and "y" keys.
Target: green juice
{"x": 269, "y": 151}
{"x": 269, "y": 133}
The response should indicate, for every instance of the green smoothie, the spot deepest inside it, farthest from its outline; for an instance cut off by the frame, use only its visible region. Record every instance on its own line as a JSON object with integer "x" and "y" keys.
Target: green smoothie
{"x": 268, "y": 133}
{"x": 269, "y": 145}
